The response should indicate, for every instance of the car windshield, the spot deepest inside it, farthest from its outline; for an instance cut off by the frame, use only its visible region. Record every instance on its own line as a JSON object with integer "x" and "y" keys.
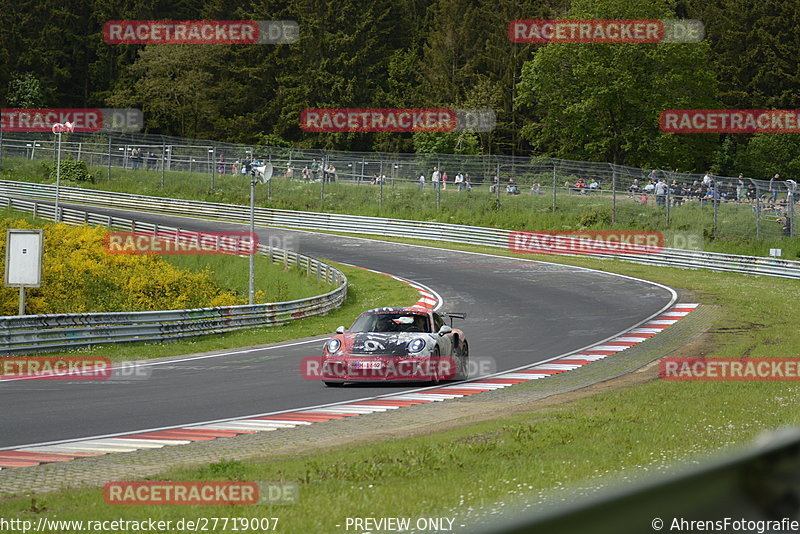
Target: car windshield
{"x": 391, "y": 322}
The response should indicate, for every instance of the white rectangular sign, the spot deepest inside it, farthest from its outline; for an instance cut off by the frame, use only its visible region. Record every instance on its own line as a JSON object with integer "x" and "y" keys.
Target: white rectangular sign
{"x": 24, "y": 258}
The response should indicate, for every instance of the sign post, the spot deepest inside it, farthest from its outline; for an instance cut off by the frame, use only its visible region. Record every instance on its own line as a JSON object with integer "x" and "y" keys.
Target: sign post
{"x": 58, "y": 129}
{"x": 262, "y": 174}
{"x": 23, "y": 261}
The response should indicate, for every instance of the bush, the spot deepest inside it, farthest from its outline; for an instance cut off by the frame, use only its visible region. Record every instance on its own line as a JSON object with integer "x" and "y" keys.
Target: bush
{"x": 73, "y": 171}
{"x": 79, "y": 276}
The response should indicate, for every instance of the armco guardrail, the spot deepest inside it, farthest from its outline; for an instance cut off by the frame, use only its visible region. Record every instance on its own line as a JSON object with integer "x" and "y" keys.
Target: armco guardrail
{"x": 454, "y": 233}
{"x": 38, "y": 333}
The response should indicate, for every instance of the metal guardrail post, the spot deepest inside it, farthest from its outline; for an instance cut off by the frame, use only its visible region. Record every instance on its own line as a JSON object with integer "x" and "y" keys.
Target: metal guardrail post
{"x": 555, "y": 184}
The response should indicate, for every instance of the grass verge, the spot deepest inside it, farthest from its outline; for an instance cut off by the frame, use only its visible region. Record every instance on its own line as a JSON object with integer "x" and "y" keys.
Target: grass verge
{"x": 512, "y": 461}
{"x": 366, "y": 290}
{"x": 736, "y": 223}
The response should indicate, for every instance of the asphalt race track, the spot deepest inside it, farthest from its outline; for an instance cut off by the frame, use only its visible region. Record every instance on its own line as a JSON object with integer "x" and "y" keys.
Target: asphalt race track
{"x": 518, "y": 312}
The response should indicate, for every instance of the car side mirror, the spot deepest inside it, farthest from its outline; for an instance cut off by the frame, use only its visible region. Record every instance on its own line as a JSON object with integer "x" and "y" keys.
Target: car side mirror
{"x": 340, "y": 330}
{"x": 445, "y": 330}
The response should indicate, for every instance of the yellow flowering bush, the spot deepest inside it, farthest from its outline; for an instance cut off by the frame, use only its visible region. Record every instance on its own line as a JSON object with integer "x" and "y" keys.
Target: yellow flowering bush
{"x": 79, "y": 276}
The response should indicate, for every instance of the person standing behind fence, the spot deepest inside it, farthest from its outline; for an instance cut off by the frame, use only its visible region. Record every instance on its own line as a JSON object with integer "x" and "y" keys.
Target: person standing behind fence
{"x": 314, "y": 170}
{"x": 741, "y": 191}
{"x": 773, "y": 188}
{"x": 435, "y": 177}
{"x": 444, "y": 180}
{"x": 661, "y": 193}
{"x": 459, "y": 181}
{"x": 421, "y": 181}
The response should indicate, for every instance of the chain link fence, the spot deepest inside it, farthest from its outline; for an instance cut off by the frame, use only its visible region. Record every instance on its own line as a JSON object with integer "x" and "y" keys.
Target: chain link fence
{"x": 518, "y": 193}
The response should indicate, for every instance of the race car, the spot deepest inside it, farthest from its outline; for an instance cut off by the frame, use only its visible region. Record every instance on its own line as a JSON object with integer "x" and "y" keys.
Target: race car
{"x": 396, "y": 344}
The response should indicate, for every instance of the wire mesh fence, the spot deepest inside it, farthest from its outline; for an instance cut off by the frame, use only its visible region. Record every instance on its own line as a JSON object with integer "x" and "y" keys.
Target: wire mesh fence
{"x": 537, "y": 193}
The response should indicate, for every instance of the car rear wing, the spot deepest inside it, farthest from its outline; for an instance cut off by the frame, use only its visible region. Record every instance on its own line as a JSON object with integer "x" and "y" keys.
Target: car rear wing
{"x": 453, "y": 315}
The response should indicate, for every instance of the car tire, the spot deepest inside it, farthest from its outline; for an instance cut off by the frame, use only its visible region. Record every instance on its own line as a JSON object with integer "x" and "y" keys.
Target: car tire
{"x": 463, "y": 362}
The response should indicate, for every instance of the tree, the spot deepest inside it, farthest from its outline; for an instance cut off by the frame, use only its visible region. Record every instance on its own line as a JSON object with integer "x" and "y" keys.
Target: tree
{"x": 176, "y": 87}
{"x": 769, "y": 153}
{"x": 602, "y": 102}
{"x": 25, "y": 91}
{"x": 446, "y": 143}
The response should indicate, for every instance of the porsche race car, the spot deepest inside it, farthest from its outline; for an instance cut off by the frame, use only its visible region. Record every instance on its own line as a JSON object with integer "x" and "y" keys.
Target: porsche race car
{"x": 397, "y": 344}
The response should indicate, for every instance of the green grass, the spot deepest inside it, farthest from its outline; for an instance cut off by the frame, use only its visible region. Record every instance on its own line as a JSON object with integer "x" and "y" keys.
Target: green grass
{"x": 366, "y": 290}
{"x": 273, "y": 283}
{"x": 474, "y": 468}
{"x": 736, "y": 226}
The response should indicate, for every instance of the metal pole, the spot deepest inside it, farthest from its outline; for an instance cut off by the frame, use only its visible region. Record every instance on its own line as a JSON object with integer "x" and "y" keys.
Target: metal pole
{"x": 498, "y": 185}
{"x": 380, "y": 184}
{"x": 21, "y": 301}
{"x": 109, "y": 158}
{"x": 58, "y": 178}
{"x": 555, "y": 185}
{"x": 613, "y": 195}
{"x": 714, "y": 200}
{"x": 668, "y": 201}
{"x": 322, "y": 191}
{"x": 213, "y": 166}
{"x": 758, "y": 214}
{"x": 790, "y": 196}
{"x": 252, "y": 292}
{"x": 163, "y": 162}
{"x": 269, "y": 189}
{"x": 1, "y": 147}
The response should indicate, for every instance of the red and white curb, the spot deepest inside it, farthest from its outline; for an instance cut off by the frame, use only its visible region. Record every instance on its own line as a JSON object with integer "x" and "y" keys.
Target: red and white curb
{"x": 64, "y": 451}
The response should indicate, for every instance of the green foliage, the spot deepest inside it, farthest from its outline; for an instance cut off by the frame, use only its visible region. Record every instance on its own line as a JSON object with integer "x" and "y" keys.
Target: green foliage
{"x": 446, "y": 143}
{"x": 767, "y": 154}
{"x": 25, "y": 91}
{"x": 73, "y": 171}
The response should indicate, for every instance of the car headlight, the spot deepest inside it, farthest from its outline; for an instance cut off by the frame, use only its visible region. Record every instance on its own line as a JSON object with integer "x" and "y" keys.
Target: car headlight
{"x": 333, "y": 345}
{"x": 416, "y": 345}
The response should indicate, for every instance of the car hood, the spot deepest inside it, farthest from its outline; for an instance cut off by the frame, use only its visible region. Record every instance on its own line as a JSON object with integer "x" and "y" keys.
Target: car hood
{"x": 383, "y": 344}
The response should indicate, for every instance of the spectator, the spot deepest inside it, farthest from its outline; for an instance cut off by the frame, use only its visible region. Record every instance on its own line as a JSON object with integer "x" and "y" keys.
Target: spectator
{"x": 330, "y": 173}
{"x": 791, "y": 191}
{"x": 152, "y": 161}
{"x": 634, "y": 188}
{"x": 289, "y": 173}
{"x": 314, "y": 169}
{"x": 495, "y": 185}
{"x": 653, "y": 176}
{"x": 306, "y": 173}
{"x": 708, "y": 179}
{"x": 444, "y": 180}
{"x": 467, "y": 183}
{"x": 580, "y": 186}
{"x": 650, "y": 188}
{"x": 661, "y": 190}
{"x": 435, "y": 177}
{"x": 741, "y": 191}
{"x": 536, "y": 188}
{"x": 421, "y": 180}
{"x": 459, "y": 181}
{"x": 511, "y": 187}
{"x": 594, "y": 186}
{"x": 773, "y": 188}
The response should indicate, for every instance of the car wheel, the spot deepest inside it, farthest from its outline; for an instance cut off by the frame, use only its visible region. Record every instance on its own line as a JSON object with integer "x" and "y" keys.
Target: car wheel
{"x": 435, "y": 357}
{"x": 334, "y": 384}
{"x": 463, "y": 362}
